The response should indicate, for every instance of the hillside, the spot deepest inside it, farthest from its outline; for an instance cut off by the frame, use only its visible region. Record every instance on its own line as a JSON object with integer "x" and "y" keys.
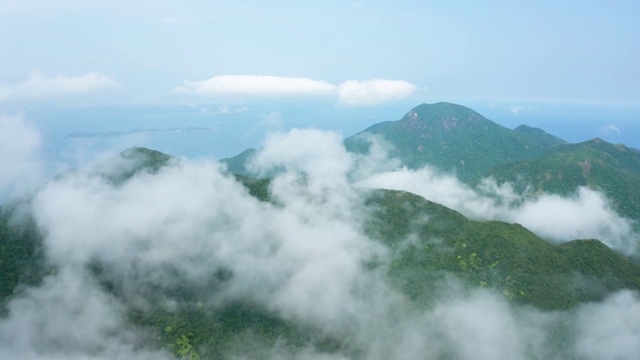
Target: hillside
{"x": 597, "y": 164}
{"x": 455, "y": 139}
{"x": 196, "y": 306}
{"x": 424, "y": 254}
{"x": 504, "y": 256}
{"x": 238, "y": 164}
{"x": 130, "y": 162}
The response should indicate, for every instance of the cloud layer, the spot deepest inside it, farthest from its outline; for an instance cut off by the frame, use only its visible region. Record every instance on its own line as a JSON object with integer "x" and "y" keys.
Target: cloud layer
{"x": 350, "y": 93}
{"x": 20, "y": 144}
{"x": 38, "y": 86}
{"x": 304, "y": 257}
{"x": 587, "y": 214}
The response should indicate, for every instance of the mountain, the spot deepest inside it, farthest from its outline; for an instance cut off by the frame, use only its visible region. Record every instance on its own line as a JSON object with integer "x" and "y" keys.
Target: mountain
{"x": 597, "y": 164}
{"x": 538, "y": 135}
{"x": 507, "y": 257}
{"x": 238, "y": 163}
{"x": 495, "y": 255}
{"x": 455, "y": 138}
{"x": 451, "y": 137}
{"x": 130, "y": 162}
{"x": 427, "y": 245}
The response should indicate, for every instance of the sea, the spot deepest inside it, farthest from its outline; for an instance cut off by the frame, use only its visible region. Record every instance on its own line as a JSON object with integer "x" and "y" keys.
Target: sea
{"x": 77, "y": 135}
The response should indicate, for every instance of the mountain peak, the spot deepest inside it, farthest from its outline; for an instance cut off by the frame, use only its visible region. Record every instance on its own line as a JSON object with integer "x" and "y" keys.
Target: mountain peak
{"x": 455, "y": 138}
{"x": 540, "y": 135}
{"x": 130, "y": 162}
{"x": 448, "y": 114}
{"x": 440, "y": 106}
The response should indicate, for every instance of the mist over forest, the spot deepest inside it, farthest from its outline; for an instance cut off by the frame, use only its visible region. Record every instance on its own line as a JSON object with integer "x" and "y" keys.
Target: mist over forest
{"x": 143, "y": 262}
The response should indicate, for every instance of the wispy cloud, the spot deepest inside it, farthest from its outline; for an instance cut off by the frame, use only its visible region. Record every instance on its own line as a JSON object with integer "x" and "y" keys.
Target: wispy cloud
{"x": 304, "y": 257}
{"x": 38, "y": 86}
{"x": 350, "y": 93}
{"x": 611, "y": 130}
{"x": 585, "y": 214}
{"x": 252, "y": 85}
{"x": 228, "y": 110}
{"x": 371, "y": 92}
{"x": 20, "y": 144}
{"x": 515, "y": 110}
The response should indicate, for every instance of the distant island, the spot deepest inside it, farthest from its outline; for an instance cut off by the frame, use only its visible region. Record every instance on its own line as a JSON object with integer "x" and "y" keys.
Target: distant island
{"x": 102, "y": 134}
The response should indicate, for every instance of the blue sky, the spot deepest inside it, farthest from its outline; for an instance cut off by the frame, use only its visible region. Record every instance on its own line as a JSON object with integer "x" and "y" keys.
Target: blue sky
{"x": 144, "y": 51}
{"x": 514, "y": 61}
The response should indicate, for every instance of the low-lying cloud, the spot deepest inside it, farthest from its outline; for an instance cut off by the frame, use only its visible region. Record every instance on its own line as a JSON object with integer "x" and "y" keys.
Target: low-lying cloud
{"x": 584, "y": 215}
{"x": 349, "y": 93}
{"x": 38, "y": 86}
{"x": 20, "y": 145}
{"x": 303, "y": 256}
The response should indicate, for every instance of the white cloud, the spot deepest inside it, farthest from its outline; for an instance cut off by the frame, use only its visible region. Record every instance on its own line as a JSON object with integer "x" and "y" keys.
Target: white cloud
{"x": 20, "y": 144}
{"x": 611, "y": 130}
{"x": 616, "y": 335}
{"x": 69, "y": 317}
{"x": 228, "y": 110}
{"x": 38, "y": 86}
{"x": 487, "y": 324}
{"x": 515, "y": 110}
{"x": 585, "y": 214}
{"x": 372, "y": 92}
{"x": 350, "y": 93}
{"x": 252, "y": 85}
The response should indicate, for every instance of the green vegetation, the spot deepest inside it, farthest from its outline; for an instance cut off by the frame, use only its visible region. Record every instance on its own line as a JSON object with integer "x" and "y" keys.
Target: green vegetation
{"x": 198, "y": 331}
{"x": 503, "y": 256}
{"x": 258, "y": 188}
{"x": 456, "y": 139}
{"x": 429, "y": 243}
{"x": 22, "y": 261}
{"x": 132, "y": 161}
{"x": 597, "y": 164}
{"x": 459, "y": 140}
{"x": 238, "y": 164}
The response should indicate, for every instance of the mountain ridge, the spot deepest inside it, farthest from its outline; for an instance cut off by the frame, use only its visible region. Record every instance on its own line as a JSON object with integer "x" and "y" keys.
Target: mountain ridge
{"x": 597, "y": 164}
{"x": 456, "y": 139}
{"x": 428, "y": 246}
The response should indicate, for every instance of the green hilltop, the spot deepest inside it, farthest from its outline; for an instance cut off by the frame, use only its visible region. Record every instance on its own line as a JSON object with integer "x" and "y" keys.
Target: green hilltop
{"x": 238, "y": 163}
{"x": 506, "y": 257}
{"x": 456, "y": 139}
{"x": 597, "y": 164}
